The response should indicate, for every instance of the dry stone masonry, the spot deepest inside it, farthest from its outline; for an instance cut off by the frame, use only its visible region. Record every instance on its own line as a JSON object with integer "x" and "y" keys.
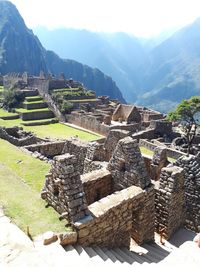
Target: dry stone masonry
{"x": 127, "y": 165}
{"x": 64, "y": 190}
{"x": 191, "y": 166}
{"x": 170, "y": 201}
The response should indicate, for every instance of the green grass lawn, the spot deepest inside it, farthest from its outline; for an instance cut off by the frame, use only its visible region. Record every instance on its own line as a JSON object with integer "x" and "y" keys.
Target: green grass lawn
{"x": 23, "y": 110}
{"x": 4, "y": 113}
{"x": 20, "y": 186}
{"x": 53, "y": 131}
{"x": 148, "y": 152}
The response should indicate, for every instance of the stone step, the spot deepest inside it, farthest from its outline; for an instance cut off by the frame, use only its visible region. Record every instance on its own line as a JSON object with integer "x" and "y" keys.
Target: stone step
{"x": 110, "y": 255}
{"x": 93, "y": 255}
{"x": 156, "y": 251}
{"x": 100, "y": 252}
{"x": 135, "y": 256}
{"x": 124, "y": 253}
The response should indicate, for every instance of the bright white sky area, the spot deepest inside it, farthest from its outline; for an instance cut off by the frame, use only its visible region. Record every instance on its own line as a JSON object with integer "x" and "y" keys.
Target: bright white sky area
{"x": 143, "y": 18}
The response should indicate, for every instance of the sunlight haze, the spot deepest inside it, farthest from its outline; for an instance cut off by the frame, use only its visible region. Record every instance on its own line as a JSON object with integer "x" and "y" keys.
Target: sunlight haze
{"x": 144, "y": 18}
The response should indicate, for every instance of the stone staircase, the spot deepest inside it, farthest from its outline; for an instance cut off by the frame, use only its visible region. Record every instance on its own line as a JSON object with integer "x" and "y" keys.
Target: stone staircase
{"x": 17, "y": 250}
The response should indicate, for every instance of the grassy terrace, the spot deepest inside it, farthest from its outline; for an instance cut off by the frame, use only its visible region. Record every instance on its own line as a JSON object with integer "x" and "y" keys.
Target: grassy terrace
{"x": 53, "y": 131}
{"x": 4, "y": 113}
{"x": 23, "y": 110}
{"x": 20, "y": 187}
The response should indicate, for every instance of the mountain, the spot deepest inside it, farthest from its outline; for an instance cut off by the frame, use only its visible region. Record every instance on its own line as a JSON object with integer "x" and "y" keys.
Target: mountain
{"x": 21, "y": 50}
{"x": 173, "y": 72}
{"x": 157, "y": 73}
{"x": 119, "y": 55}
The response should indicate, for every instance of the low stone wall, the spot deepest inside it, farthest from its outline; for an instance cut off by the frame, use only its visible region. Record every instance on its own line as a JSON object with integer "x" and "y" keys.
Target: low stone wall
{"x": 11, "y": 135}
{"x": 127, "y": 127}
{"x": 170, "y": 201}
{"x": 170, "y": 152}
{"x": 146, "y": 134}
{"x": 97, "y": 185}
{"x": 88, "y": 122}
{"x": 49, "y": 149}
{"x": 46, "y": 114}
{"x": 191, "y": 166}
{"x": 117, "y": 218}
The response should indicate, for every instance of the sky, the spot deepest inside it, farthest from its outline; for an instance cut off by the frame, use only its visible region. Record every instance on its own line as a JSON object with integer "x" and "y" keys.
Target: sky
{"x": 142, "y": 18}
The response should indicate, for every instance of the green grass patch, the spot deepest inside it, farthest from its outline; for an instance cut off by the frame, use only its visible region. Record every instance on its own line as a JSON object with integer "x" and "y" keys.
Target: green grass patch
{"x": 20, "y": 187}
{"x": 33, "y": 102}
{"x": 33, "y": 98}
{"x": 61, "y": 131}
{"x": 4, "y": 113}
{"x": 24, "y": 165}
{"x": 53, "y": 131}
{"x": 146, "y": 151}
{"x": 23, "y": 110}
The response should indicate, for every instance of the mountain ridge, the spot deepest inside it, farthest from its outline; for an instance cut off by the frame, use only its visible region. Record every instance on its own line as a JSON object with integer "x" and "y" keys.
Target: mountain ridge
{"x": 21, "y": 50}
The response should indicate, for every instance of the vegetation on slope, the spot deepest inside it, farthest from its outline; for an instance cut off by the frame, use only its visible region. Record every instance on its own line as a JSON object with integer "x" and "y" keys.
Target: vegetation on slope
{"x": 20, "y": 187}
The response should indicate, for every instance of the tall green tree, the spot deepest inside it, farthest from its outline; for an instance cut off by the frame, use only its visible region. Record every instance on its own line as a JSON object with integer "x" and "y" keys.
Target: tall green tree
{"x": 187, "y": 113}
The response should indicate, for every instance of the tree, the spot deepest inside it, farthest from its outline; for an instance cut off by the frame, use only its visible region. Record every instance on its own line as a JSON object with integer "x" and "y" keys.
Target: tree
{"x": 187, "y": 113}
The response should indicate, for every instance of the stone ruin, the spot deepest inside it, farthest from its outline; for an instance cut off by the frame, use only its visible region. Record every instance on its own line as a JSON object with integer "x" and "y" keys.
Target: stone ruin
{"x": 103, "y": 209}
{"x": 110, "y": 199}
{"x": 18, "y": 137}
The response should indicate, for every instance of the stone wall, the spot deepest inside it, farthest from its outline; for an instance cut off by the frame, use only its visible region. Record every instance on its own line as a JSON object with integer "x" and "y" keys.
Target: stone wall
{"x": 170, "y": 152}
{"x": 161, "y": 127}
{"x": 79, "y": 148}
{"x": 149, "y": 116}
{"x": 95, "y": 157}
{"x": 88, "y": 122}
{"x": 146, "y": 134}
{"x": 97, "y": 184}
{"x": 117, "y": 218}
{"x": 48, "y": 149}
{"x": 17, "y": 137}
{"x": 112, "y": 140}
{"x": 63, "y": 188}
{"x": 127, "y": 166}
{"x": 191, "y": 166}
{"x": 126, "y": 113}
{"x": 170, "y": 201}
{"x": 45, "y": 114}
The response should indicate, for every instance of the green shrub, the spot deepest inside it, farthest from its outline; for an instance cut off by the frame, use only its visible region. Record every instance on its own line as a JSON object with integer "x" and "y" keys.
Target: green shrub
{"x": 12, "y": 98}
{"x": 66, "y": 107}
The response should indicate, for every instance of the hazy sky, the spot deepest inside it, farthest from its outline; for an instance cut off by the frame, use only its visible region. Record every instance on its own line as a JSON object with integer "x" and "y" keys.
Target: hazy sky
{"x": 140, "y": 17}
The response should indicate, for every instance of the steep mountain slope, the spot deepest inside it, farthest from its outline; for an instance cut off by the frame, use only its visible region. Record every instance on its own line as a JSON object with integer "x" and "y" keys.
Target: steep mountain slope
{"x": 159, "y": 78}
{"x": 119, "y": 55}
{"x": 21, "y": 50}
{"x": 174, "y": 70}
